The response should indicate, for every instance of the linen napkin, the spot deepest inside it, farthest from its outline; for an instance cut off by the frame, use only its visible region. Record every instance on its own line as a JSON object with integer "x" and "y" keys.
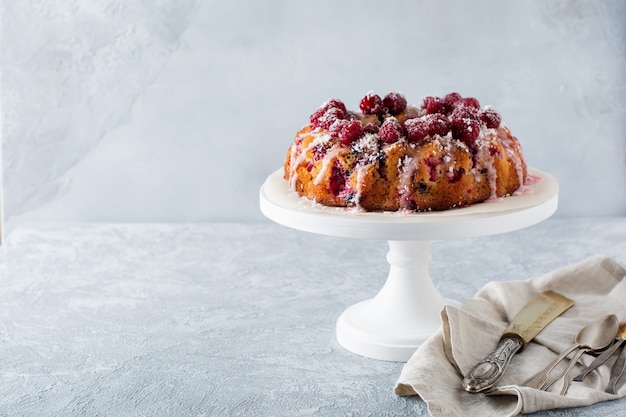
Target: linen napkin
{"x": 471, "y": 332}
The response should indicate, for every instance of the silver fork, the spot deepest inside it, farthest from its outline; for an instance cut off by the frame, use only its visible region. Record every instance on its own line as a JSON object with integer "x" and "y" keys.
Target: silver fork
{"x": 603, "y": 357}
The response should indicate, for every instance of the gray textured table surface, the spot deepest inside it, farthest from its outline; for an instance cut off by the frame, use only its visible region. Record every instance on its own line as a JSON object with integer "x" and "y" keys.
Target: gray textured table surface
{"x": 229, "y": 319}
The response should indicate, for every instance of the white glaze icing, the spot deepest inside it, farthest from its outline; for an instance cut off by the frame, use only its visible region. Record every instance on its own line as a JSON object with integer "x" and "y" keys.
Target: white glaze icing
{"x": 406, "y": 170}
{"x": 327, "y": 162}
{"x": 298, "y": 154}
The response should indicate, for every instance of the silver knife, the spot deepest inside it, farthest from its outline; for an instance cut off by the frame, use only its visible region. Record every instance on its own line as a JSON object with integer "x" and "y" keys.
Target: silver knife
{"x": 540, "y": 311}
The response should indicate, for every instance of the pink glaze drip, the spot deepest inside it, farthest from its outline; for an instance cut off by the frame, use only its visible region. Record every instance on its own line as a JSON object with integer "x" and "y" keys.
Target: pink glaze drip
{"x": 510, "y": 145}
{"x": 360, "y": 181}
{"x": 298, "y": 155}
{"x": 487, "y": 160}
{"x": 406, "y": 171}
{"x": 487, "y": 157}
{"x": 532, "y": 179}
{"x": 527, "y": 189}
{"x": 326, "y": 164}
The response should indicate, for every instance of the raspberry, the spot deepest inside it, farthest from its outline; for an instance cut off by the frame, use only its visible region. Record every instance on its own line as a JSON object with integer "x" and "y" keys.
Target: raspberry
{"x": 336, "y": 127}
{"x": 337, "y": 181}
{"x": 472, "y": 130}
{"x": 466, "y": 130}
{"x": 350, "y": 132}
{"x": 437, "y": 124}
{"x": 391, "y": 130}
{"x": 432, "y": 124}
{"x": 490, "y": 117}
{"x": 316, "y": 116}
{"x": 338, "y": 104}
{"x": 468, "y": 102}
{"x": 395, "y": 103}
{"x": 433, "y": 105}
{"x": 416, "y": 130}
{"x": 450, "y": 100}
{"x": 465, "y": 125}
{"x": 331, "y": 116}
{"x": 371, "y": 104}
{"x": 319, "y": 118}
{"x": 464, "y": 112}
{"x": 433, "y": 168}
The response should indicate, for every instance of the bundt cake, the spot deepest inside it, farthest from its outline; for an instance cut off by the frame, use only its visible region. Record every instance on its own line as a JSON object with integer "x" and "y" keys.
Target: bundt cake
{"x": 389, "y": 156}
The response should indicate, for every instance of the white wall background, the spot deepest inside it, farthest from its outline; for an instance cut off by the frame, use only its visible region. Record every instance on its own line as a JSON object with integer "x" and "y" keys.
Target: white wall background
{"x": 177, "y": 110}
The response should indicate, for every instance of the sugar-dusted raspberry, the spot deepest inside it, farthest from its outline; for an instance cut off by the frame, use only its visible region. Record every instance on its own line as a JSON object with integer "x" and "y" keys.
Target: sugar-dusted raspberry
{"x": 437, "y": 124}
{"x": 316, "y": 116}
{"x": 391, "y": 130}
{"x": 465, "y": 124}
{"x": 416, "y": 129}
{"x": 338, "y": 104}
{"x": 336, "y": 127}
{"x": 467, "y": 102}
{"x": 464, "y": 112}
{"x": 331, "y": 116}
{"x": 371, "y": 104}
{"x": 433, "y": 105}
{"x": 350, "y": 132}
{"x": 472, "y": 131}
{"x": 466, "y": 130}
{"x": 327, "y": 113}
{"x": 395, "y": 103}
{"x": 450, "y": 100}
{"x": 431, "y": 124}
{"x": 490, "y": 117}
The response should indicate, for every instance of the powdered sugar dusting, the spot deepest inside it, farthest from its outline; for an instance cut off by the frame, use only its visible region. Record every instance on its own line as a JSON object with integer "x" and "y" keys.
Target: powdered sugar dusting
{"x": 298, "y": 154}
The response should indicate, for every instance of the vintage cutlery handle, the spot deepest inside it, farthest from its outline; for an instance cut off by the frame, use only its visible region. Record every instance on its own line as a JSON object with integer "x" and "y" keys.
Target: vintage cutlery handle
{"x": 486, "y": 372}
{"x": 617, "y": 370}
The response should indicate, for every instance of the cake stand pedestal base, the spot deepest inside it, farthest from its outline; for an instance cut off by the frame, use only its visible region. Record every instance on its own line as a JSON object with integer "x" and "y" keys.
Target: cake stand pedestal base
{"x": 407, "y": 310}
{"x": 404, "y": 313}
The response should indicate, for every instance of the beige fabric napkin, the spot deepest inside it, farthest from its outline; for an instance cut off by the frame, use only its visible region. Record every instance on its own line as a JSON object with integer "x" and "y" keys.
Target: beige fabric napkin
{"x": 469, "y": 333}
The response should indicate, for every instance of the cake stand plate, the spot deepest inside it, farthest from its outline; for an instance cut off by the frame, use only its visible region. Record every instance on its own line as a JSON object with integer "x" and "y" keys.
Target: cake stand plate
{"x": 406, "y": 311}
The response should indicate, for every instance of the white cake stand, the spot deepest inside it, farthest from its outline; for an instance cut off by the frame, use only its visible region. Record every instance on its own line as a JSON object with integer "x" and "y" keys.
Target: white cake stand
{"x": 406, "y": 311}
